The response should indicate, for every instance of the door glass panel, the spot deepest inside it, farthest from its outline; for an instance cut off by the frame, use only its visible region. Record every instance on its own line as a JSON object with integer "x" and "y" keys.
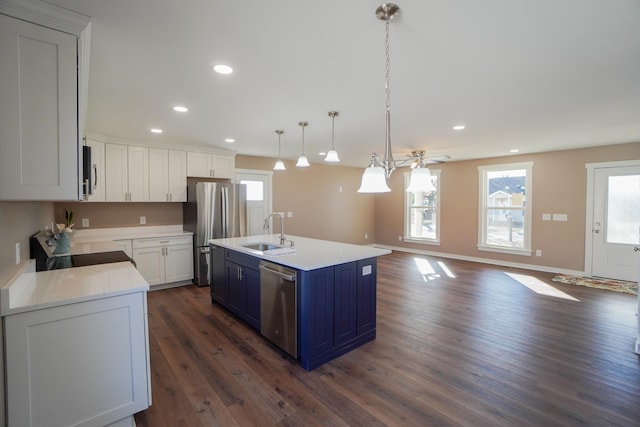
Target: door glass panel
{"x": 623, "y": 209}
{"x": 255, "y": 190}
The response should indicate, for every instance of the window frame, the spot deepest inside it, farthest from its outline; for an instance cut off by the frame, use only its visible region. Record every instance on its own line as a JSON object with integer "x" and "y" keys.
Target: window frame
{"x": 437, "y": 173}
{"x": 483, "y": 208}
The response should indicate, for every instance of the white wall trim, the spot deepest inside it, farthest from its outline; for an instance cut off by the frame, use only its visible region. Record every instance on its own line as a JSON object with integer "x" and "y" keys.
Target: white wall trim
{"x": 485, "y": 261}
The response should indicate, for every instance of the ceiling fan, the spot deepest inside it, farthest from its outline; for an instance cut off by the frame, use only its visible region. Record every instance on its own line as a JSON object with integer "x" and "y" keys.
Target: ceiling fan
{"x": 419, "y": 158}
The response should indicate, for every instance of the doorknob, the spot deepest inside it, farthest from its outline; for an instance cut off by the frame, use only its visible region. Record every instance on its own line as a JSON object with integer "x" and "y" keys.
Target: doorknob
{"x": 596, "y": 231}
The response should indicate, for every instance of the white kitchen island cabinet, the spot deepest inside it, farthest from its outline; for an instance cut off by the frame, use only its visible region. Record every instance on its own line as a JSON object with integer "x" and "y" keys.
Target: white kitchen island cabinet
{"x": 77, "y": 364}
{"x": 76, "y": 346}
{"x": 39, "y": 128}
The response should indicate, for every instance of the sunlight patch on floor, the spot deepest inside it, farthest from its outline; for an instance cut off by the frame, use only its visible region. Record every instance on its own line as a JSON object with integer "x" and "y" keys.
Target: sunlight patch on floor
{"x": 446, "y": 270}
{"x": 425, "y": 268}
{"x": 539, "y": 287}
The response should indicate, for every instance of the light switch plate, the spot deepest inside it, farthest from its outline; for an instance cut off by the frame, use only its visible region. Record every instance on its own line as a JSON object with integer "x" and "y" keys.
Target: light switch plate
{"x": 546, "y": 217}
{"x": 560, "y": 217}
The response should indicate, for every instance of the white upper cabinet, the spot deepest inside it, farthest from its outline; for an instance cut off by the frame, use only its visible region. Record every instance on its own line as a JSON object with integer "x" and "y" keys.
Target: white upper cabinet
{"x": 97, "y": 170}
{"x": 167, "y": 175}
{"x": 127, "y": 169}
{"x": 210, "y": 165}
{"x": 39, "y": 146}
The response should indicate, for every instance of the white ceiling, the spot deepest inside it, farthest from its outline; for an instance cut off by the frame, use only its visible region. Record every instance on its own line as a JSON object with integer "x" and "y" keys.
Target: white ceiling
{"x": 534, "y": 75}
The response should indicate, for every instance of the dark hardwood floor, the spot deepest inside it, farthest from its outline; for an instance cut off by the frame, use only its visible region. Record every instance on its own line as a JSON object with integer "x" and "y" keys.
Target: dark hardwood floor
{"x": 475, "y": 349}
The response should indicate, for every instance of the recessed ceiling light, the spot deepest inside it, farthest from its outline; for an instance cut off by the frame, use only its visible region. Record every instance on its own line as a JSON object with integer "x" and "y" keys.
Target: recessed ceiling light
{"x": 459, "y": 127}
{"x": 322, "y": 153}
{"x": 223, "y": 69}
{"x": 515, "y": 150}
{"x": 229, "y": 140}
{"x": 180, "y": 109}
{"x": 155, "y": 130}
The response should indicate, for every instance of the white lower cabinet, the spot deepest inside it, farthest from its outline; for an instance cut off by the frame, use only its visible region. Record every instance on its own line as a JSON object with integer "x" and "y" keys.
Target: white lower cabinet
{"x": 164, "y": 260}
{"x": 125, "y": 246}
{"x": 95, "y": 371}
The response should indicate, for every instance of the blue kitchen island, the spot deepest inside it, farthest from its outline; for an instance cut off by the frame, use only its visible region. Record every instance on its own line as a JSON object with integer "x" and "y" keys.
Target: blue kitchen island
{"x": 335, "y": 289}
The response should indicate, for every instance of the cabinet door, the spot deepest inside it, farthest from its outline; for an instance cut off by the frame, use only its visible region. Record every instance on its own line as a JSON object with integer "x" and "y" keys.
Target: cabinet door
{"x": 345, "y": 299}
{"x": 138, "y": 173}
{"x": 97, "y": 170}
{"x": 158, "y": 175}
{"x": 77, "y": 364}
{"x": 317, "y": 309}
{"x": 177, "y": 176}
{"x": 178, "y": 263}
{"x": 150, "y": 263}
{"x": 252, "y": 283}
{"x": 236, "y": 291}
{"x": 115, "y": 156}
{"x": 39, "y": 149}
{"x": 366, "y": 312}
{"x": 198, "y": 164}
{"x": 223, "y": 166}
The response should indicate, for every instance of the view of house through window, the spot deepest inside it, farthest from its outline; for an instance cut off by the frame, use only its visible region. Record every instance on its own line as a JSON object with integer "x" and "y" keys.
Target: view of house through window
{"x": 505, "y": 220}
{"x": 422, "y": 212}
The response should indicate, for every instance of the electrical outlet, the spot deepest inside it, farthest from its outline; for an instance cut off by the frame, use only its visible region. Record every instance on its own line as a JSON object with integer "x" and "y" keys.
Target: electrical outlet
{"x": 538, "y": 252}
{"x": 85, "y": 222}
{"x": 400, "y": 238}
{"x": 366, "y": 236}
{"x": 340, "y": 189}
{"x": 17, "y": 253}
{"x": 143, "y": 220}
{"x": 289, "y": 214}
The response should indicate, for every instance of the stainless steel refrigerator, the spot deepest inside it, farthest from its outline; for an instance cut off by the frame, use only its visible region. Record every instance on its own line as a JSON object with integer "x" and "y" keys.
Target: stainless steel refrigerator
{"x": 213, "y": 210}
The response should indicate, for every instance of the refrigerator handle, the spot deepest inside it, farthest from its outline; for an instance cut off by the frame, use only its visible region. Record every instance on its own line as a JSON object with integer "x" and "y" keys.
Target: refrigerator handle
{"x": 225, "y": 211}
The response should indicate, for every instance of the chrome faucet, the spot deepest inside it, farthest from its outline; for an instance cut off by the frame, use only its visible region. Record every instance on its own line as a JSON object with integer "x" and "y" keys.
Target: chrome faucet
{"x": 283, "y": 239}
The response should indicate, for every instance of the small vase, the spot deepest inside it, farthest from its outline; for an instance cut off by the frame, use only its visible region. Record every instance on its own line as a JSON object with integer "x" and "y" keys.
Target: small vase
{"x": 63, "y": 243}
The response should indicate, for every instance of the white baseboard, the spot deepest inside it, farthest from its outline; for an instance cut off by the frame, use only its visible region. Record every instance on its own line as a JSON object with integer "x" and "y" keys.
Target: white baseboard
{"x": 485, "y": 261}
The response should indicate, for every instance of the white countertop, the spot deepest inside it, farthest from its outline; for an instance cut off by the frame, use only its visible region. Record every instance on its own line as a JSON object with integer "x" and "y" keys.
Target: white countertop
{"x": 31, "y": 290}
{"x": 310, "y": 254}
{"x": 92, "y": 235}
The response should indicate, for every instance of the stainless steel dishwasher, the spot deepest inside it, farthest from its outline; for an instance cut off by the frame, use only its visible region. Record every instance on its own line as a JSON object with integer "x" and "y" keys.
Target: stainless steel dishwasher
{"x": 278, "y": 306}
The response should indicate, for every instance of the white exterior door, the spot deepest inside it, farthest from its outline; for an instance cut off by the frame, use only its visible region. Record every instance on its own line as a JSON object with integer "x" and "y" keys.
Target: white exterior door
{"x": 258, "y": 198}
{"x": 615, "y": 225}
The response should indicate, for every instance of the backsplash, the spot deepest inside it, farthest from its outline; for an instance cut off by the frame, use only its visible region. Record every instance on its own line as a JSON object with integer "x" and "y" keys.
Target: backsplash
{"x": 20, "y": 220}
{"x": 107, "y": 215}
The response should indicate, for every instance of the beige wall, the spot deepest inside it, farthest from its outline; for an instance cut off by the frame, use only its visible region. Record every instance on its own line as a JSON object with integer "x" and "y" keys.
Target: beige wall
{"x": 320, "y": 209}
{"x": 559, "y": 186}
{"x": 107, "y": 215}
{"x": 19, "y": 221}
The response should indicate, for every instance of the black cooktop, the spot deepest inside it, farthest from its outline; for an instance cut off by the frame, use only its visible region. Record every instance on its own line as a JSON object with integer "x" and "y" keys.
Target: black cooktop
{"x": 82, "y": 260}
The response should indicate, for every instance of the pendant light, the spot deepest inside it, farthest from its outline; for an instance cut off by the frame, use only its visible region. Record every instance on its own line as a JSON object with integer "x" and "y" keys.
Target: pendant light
{"x": 420, "y": 179}
{"x": 332, "y": 155}
{"x": 302, "y": 160}
{"x": 370, "y": 178}
{"x": 279, "y": 166}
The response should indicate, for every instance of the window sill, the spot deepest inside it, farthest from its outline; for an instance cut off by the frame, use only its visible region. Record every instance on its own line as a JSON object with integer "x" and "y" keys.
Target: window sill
{"x": 421, "y": 241}
{"x": 521, "y": 252}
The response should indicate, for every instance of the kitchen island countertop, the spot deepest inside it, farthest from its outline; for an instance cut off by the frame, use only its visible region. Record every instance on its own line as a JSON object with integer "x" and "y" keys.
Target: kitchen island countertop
{"x": 309, "y": 254}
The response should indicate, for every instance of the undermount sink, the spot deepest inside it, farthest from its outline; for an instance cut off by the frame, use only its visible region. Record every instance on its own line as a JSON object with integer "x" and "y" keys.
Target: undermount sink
{"x": 261, "y": 246}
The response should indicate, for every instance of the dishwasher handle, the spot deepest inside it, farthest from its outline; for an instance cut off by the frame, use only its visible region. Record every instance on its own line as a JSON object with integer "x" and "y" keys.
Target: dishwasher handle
{"x": 285, "y": 276}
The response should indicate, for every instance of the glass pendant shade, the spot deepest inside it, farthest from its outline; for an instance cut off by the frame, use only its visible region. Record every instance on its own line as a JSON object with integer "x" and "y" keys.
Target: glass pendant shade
{"x": 374, "y": 181}
{"x": 420, "y": 181}
{"x": 302, "y": 161}
{"x": 279, "y": 166}
{"x": 332, "y": 156}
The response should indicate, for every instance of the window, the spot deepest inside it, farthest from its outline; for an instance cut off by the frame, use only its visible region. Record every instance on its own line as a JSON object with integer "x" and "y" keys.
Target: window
{"x": 422, "y": 213}
{"x": 505, "y": 208}
{"x": 255, "y": 190}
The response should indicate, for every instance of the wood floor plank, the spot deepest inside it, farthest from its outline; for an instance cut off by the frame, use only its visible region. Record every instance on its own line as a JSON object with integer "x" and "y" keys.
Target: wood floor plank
{"x": 458, "y": 344}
